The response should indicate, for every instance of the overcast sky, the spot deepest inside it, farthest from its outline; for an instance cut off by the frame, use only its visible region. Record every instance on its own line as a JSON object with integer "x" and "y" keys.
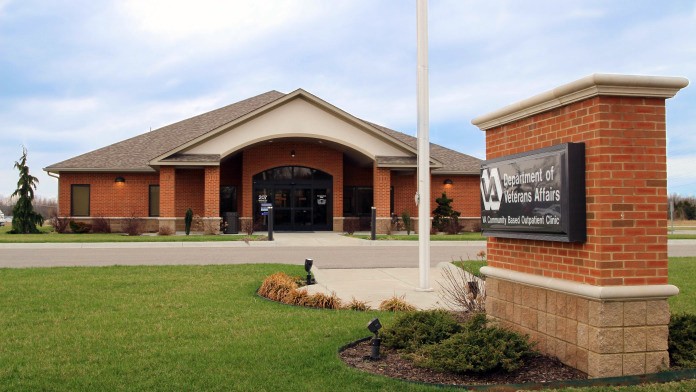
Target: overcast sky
{"x": 79, "y": 75}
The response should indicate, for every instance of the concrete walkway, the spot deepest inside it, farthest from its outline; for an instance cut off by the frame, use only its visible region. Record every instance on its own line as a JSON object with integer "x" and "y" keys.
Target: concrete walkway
{"x": 378, "y": 284}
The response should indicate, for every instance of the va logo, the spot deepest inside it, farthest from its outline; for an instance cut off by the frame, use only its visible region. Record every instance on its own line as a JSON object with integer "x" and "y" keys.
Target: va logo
{"x": 491, "y": 189}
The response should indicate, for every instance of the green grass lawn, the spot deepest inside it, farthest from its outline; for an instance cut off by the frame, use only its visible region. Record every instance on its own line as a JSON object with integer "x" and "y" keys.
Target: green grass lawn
{"x": 681, "y": 236}
{"x": 189, "y": 328}
{"x": 49, "y": 236}
{"x": 682, "y": 273}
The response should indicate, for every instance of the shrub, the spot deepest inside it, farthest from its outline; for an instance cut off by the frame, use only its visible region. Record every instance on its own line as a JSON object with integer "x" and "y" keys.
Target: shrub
{"x": 415, "y": 329}
{"x": 682, "y": 340}
{"x": 408, "y": 224}
{"x": 132, "y": 226}
{"x": 165, "y": 230}
{"x": 351, "y": 225}
{"x": 452, "y": 226}
{"x": 476, "y": 349}
{"x": 463, "y": 289}
{"x": 471, "y": 225}
{"x": 188, "y": 219}
{"x": 80, "y": 227}
{"x": 444, "y": 214}
{"x": 355, "y": 304}
{"x": 60, "y": 225}
{"x": 277, "y": 286}
{"x": 101, "y": 225}
{"x": 249, "y": 227}
{"x": 396, "y": 304}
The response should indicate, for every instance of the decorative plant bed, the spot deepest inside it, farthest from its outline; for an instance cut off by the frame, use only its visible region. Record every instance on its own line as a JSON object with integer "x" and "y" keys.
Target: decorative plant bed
{"x": 536, "y": 369}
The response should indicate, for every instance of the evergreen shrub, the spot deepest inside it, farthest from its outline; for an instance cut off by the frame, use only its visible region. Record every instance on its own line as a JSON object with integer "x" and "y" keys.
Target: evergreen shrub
{"x": 413, "y": 330}
{"x": 478, "y": 348}
{"x": 682, "y": 341}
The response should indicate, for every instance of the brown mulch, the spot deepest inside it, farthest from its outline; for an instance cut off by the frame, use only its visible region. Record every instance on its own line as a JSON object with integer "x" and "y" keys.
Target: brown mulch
{"x": 536, "y": 369}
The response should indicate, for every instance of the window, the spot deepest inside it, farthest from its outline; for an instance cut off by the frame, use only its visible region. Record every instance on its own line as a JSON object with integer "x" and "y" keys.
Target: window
{"x": 357, "y": 201}
{"x": 154, "y": 200}
{"x": 79, "y": 199}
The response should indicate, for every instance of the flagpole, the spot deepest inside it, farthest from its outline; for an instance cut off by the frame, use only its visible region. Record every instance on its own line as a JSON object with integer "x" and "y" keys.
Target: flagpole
{"x": 423, "y": 195}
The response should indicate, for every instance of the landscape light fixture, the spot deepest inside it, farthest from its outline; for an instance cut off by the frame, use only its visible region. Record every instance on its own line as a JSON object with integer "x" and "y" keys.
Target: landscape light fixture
{"x": 448, "y": 182}
{"x": 308, "y": 267}
{"x": 119, "y": 179}
{"x": 292, "y": 153}
{"x": 374, "y": 326}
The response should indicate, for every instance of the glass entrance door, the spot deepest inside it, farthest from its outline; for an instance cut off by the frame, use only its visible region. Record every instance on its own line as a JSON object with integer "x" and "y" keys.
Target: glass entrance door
{"x": 301, "y": 199}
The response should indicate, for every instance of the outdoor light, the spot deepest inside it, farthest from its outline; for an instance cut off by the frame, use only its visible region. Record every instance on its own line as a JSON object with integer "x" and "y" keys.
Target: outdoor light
{"x": 374, "y": 326}
{"x": 308, "y": 267}
{"x": 120, "y": 179}
{"x": 448, "y": 182}
{"x": 292, "y": 153}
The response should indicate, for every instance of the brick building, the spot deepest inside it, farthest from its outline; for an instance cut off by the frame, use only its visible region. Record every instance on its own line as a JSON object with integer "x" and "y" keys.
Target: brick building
{"x": 317, "y": 165}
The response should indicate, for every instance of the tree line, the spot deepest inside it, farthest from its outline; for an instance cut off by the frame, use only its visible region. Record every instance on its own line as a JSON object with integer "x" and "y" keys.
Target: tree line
{"x": 684, "y": 207}
{"x": 43, "y": 205}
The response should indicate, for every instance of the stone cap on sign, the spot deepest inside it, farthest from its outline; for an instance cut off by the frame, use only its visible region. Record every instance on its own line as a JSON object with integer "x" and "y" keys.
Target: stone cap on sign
{"x": 587, "y": 87}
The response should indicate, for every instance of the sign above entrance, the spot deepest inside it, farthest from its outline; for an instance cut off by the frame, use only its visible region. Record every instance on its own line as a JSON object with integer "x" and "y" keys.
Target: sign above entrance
{"x": 538, "y": 195}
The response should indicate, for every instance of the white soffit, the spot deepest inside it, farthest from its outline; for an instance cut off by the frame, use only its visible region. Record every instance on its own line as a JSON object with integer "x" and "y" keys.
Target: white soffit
{"x": 587, "y": 87}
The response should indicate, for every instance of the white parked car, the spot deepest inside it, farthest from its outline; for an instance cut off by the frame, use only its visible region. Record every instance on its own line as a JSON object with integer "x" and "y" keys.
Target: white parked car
{"x": 2, "y": 219}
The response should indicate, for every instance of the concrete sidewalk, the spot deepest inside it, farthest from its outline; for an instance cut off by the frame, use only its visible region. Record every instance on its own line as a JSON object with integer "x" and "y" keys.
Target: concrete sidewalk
{"x": 295, "y": 239}
{"x": 375, "y": 285}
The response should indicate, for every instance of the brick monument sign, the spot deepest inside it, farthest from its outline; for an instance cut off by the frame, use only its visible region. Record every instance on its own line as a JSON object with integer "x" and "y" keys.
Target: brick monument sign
{"x": 597, "y": 301}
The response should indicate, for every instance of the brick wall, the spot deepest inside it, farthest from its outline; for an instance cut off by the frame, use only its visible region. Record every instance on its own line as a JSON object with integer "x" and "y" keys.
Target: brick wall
{"x": 108, "y": 198}
{"x": 464, "y": 191}
{"x": 190, "y": 185}
{"x": 625, "y": 142}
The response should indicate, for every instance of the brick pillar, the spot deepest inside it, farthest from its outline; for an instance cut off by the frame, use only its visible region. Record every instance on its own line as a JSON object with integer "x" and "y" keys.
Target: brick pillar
{"x": 381, "y": 185}
{"x": 167, "y": 183}
{"x": 211, "y": 199}
{"x": 600, "y": 306}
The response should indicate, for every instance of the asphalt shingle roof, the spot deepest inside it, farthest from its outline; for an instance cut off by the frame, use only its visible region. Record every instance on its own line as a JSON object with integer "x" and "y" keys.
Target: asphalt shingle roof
{"x": 135, "y": 153}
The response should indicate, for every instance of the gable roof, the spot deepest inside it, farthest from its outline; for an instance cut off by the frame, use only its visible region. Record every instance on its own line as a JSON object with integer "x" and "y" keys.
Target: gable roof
{"x": 136, "y": 153}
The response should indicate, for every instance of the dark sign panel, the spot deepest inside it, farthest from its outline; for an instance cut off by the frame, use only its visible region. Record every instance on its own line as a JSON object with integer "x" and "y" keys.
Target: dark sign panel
{"x": 537, "y": 195}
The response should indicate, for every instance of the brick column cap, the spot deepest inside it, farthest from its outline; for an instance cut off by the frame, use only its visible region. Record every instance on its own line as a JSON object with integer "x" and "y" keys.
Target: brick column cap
{"x": 587, "y": 87}
{"x": 604, "y": 293}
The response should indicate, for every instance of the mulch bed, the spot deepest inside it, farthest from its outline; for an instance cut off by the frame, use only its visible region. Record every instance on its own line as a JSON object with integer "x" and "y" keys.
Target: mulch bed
{"x": 536, "y": 369}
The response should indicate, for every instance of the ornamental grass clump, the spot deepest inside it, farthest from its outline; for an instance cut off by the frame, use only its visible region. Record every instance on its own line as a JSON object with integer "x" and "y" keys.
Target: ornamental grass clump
{"x": 358, "y": 305}
{"x": 396, "y": 304}
{"x": 323, "y": 301}
{"x": 477, "y": 348}
{"x": 295, "y": 297}
{"x": 277, "y": 286}
{"x": 415, "y": 329}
